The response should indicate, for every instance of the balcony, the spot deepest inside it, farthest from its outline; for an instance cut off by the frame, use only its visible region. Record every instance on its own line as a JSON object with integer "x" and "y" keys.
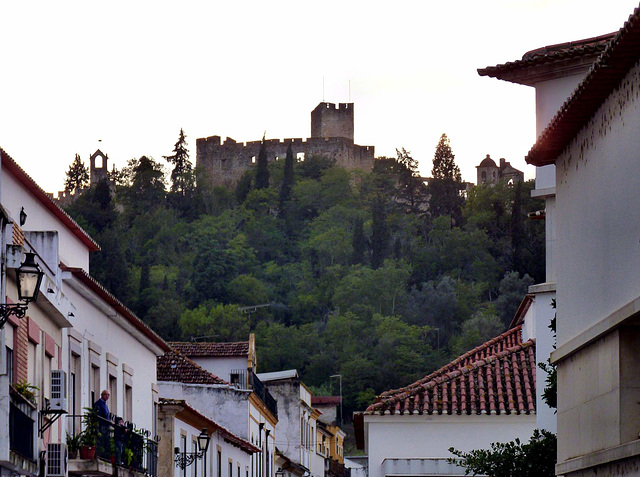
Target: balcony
{"x": 117, "y": 447}
{"x": 263, "y": 393}
{"x": 22, "y": 429}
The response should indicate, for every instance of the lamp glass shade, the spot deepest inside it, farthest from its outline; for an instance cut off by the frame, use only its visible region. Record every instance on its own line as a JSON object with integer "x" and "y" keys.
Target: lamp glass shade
{"x": 203, "y": 440}
{"x": 28, "y": 277}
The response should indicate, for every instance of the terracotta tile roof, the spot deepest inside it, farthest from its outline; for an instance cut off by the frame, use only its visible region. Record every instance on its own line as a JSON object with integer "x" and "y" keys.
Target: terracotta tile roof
{"x": 28, "y": 183}
{"x": 213, "y": 426}
{"x": 106, "y": 295}
{"x": 567, "y": 52}
{"x": 176, "y": 367}
{"x": 17, "y": 235}
{"x": 204, "y": 349}
{"x": 621, "y": 54}
{"x": 498, "y": 377}
{"x": 320, "y": 400}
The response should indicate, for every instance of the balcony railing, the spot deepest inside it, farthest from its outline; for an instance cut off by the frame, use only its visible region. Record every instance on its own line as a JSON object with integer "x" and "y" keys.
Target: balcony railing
{"x": 263, "y": 393}
{"x": 21, "y": 429}
{"x": 22, "y": 425}
{"x": 125, "y": 445}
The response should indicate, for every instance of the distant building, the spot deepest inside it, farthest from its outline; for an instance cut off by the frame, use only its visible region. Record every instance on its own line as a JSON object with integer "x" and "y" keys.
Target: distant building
{"x": 488, "y": 172}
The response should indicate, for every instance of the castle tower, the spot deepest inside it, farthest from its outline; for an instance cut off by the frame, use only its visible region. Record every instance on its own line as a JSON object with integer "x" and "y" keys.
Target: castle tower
{"x": 488, "y": 171}
{"x": 98, "y": 167}
{"x": 329, "y": 120}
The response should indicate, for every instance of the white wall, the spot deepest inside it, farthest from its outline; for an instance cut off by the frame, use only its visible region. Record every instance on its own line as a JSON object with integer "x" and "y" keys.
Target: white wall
{"x": 426, "y": 436}
{"x": 97, "y": 324}
{"x": 14, "y": 196}
{"x": 598, "y": 200}
{"x": 222, "y": 366}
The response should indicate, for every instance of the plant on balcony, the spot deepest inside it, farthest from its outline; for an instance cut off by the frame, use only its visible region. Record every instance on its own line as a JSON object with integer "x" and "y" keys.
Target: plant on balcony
{"x": 26, "y": 390}
{"x": 73, "y": 444}
{"x": 90, "y": 434}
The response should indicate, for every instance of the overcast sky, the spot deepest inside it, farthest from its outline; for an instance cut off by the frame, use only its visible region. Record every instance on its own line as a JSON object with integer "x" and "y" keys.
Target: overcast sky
{"x": 131, "y": 74}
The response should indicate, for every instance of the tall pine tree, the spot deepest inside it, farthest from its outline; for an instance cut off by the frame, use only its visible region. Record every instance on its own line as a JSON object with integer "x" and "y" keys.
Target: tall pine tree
{"x": 77, "y": 176}
{"x": 182, "y": 180}
{"x": 262, "y": 169}
{"x": 287, "y": 180}
{"x": 446, "y": 183}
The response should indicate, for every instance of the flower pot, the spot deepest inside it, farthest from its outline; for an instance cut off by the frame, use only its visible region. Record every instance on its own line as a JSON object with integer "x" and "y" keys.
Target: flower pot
{"x": 73, "y": 455}
{"x": 88, "y": 452}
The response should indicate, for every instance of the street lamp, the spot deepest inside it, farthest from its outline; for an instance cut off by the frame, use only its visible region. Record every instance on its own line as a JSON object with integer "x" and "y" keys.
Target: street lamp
{"x": 339, "y": 376}
{"x": 28, "y": 279}
{"x": 185, "y": 459}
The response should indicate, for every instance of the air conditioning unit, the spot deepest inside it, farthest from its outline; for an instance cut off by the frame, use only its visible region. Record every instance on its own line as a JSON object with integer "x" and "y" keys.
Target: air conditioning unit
{"x": 56, "y": 460}
{"x": 58, "y": 400}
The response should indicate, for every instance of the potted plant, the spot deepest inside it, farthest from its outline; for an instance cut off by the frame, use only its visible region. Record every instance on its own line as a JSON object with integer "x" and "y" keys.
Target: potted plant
{"x": 90, "y": 435}
{"x": 26, "y": 390}
{"x": 73, "y": 444}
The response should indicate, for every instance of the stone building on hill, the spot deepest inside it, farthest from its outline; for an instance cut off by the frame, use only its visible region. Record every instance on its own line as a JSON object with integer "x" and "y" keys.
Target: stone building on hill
{"x": 488, "y": 172}
{"x": 332, "y": 136}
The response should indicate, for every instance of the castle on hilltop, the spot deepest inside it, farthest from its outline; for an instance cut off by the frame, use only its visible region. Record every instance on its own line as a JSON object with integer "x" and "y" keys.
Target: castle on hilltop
{"x": 331, "y": 136}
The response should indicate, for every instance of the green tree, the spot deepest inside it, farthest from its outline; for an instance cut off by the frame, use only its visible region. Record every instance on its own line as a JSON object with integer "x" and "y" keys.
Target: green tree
{"x": 412, "y": 191}
{"x": 535, "y": 459}
{"x": 77, "y": 176}
{"x": 262, "y": 167}
{"x": 146, "y": 190}
{"x": 358, "y": 242}
{"x": 380, "y": 235}
{"x": 287, "y": 180}
{"x": 222, "y": 322}
{"x": 182, "y": 178}
{"x": 478, "y": 329}
{"x": 512, "y": 290}
{"x": 446, "y": 183}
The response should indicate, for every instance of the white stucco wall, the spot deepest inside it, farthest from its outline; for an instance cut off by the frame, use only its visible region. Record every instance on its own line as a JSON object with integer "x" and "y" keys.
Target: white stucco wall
{"x": 14, "y": 196}
{"x": 99, "y": 324}
{"x": 421, "y": 437}
{"x": 551, "y": 95}
{"x": 229, "y": 453}
{"x": 222, "y": 366}
{"x": 597, "y": 200}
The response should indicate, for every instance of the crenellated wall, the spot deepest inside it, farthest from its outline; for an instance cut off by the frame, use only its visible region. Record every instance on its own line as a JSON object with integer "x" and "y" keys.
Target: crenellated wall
{"x": 332, "y": 136}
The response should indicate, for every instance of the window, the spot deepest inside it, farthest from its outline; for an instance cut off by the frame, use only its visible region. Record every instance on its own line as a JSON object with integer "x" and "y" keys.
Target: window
{"x": 113, "y": 389}
{"x": 128, "y": 403}
{"x": 194, "y": 468}
{"x": 219, "y": 464}
{"x": 10, "y": 364}
{"x": 230, "y": 469}
{"x": 94, "y": 383}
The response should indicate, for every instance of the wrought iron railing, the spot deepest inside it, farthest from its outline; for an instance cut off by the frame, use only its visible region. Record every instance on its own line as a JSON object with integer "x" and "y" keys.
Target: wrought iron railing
{"x": 21, "y": 430}
{"x": 263, "y": 393}
{"x": 123, "y": 444}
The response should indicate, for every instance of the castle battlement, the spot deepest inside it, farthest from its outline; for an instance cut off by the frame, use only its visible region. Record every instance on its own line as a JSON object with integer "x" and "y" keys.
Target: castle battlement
{"x": 331, "y": 136}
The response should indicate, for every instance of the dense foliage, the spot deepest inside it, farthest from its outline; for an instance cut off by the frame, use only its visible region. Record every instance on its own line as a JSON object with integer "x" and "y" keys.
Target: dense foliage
{"x": 357, "y": 276}
{"x": 534, "y": 459}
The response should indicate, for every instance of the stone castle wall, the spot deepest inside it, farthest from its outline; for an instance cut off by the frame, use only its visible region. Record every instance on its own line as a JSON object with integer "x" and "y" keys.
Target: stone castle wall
{"x": 330, "y": 120}
{"x": 331, "y": 136}
{"x": 225, "y": 162}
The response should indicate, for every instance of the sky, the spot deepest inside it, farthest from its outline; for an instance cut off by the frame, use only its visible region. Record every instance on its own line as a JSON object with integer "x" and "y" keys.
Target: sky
{"x": 126, "y": 76}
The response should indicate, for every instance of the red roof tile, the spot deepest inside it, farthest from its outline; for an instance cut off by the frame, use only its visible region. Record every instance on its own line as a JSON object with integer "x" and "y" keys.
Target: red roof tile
{"x": 562, "y": 53}
{"x": 205, "y": 349}
{"x": 498, "y": 377}
{"x": 320, "y": 400}
{"x": 213, "y": 426}
{"x": 174, "y": 366}
{"x": 622, "y": 52}
{"x": 12, "y": 166}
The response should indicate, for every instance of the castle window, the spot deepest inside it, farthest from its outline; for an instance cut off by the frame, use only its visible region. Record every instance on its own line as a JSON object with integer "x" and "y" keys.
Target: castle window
{"x": 484, "y": 176}
{"x": 253, "y": 159}
{"x": 300, "y": 157}
{"x": 98, "y": 162}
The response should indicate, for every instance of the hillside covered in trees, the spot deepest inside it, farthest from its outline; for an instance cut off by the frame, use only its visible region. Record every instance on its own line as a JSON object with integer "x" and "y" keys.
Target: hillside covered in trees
{"x": 370, "y": 275}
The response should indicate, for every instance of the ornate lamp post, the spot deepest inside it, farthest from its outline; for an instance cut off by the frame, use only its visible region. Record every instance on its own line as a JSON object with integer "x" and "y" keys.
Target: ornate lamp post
{"x": 185, "y": 459}
{"x": 28, "y": 278}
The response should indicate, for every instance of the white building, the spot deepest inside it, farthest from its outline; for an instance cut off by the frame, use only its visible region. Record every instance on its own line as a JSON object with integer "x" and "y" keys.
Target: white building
{"x": 593, "y": 142}
{"x": 180, "y": 425}
{"x": 246, "y": 408}
{"x": 78, "y": 327}
{"x": 484, "y": 396}
{"x": 554, "y": 71}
